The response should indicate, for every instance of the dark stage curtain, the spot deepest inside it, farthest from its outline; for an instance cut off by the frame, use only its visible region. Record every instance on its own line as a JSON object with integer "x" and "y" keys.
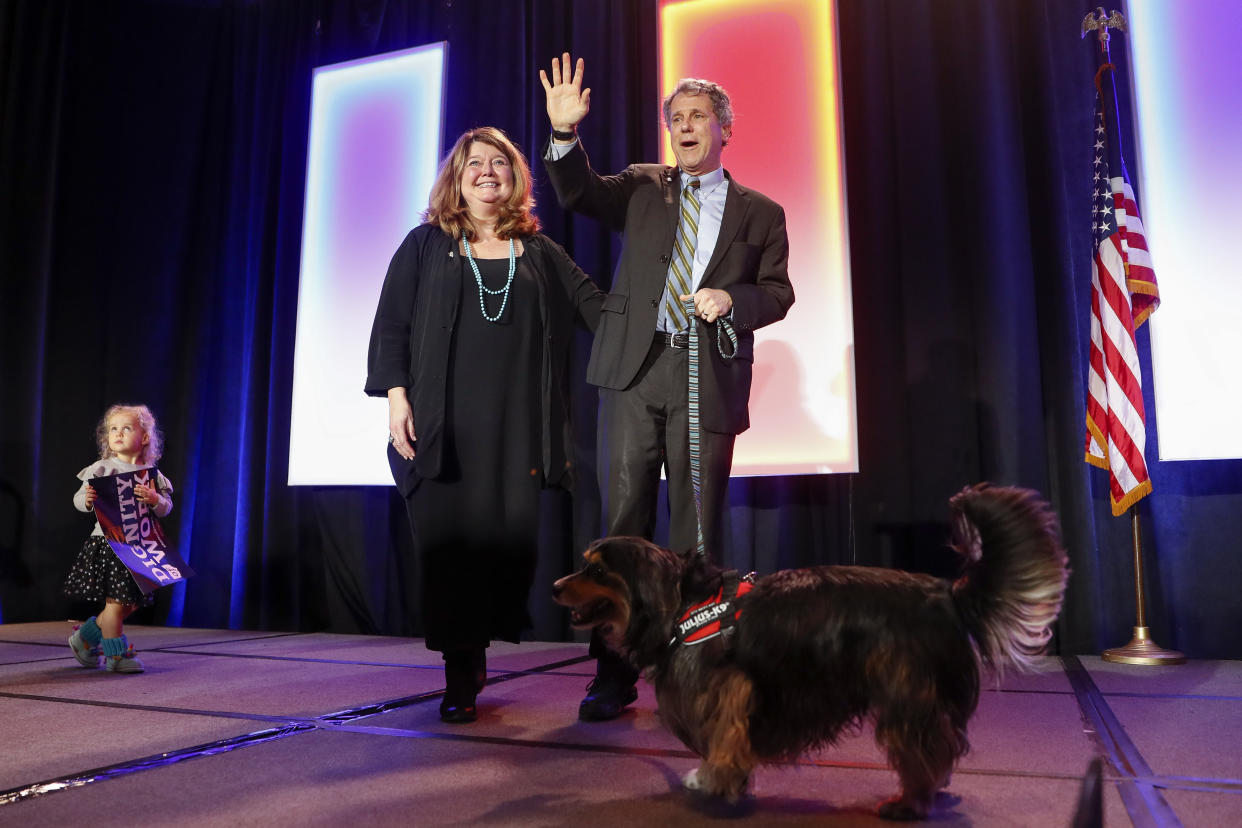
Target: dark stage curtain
{"x": 152, "y": 158}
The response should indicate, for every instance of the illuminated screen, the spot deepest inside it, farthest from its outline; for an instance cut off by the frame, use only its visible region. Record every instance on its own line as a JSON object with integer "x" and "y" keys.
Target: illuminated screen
{"x": 778, "y": 60}
{"x": 373, "y": 149}
{"x": 1186, "y": 76}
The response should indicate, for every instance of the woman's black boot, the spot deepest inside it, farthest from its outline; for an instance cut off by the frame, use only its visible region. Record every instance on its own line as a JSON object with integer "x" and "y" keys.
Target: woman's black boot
{"x": 461, "y": 685}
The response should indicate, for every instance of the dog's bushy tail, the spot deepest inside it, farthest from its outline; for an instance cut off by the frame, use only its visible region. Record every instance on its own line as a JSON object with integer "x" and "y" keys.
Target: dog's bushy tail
{"x": 1014, "y": 571}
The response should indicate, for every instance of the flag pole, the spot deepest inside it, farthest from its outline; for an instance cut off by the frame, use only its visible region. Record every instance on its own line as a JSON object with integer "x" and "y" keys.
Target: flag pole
{"x": 1141, "y": 649}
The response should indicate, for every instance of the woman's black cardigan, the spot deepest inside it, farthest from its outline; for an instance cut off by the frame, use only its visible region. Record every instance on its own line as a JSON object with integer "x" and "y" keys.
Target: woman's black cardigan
{"x": 413, "y": 332}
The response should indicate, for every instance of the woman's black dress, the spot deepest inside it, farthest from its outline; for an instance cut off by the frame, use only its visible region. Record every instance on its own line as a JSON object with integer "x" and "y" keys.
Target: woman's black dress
{"x": 476, "y": 524}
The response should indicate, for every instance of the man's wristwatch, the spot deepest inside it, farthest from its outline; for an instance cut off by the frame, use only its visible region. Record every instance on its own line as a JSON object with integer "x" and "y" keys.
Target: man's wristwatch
{"x": 564, "y": 136}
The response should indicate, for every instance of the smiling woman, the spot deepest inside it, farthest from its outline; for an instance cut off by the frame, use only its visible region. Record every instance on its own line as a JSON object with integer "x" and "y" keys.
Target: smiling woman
{"x": 470, "y": 345}
{"x": 486, "y": 180}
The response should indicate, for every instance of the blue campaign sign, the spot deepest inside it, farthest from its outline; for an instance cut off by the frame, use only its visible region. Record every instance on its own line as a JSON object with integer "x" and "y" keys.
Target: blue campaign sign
{"x": 151, "y": 568}
{"x": 133, "y": 530}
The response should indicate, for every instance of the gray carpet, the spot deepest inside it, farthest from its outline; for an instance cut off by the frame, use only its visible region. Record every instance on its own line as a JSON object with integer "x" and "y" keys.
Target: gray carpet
{"x": 247, "y": 728}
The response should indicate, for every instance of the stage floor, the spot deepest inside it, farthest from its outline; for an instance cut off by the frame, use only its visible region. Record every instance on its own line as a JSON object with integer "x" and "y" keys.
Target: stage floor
{"x": 232, "y": 728}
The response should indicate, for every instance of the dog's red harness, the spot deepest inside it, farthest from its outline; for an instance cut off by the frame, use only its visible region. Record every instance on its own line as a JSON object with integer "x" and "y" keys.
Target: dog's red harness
{"x": 715, "y": 616}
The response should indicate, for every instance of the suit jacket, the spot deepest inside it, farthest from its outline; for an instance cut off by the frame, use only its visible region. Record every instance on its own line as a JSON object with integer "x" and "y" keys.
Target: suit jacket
{"x": 750, "y": 261}
{"x": 412, "y": 335}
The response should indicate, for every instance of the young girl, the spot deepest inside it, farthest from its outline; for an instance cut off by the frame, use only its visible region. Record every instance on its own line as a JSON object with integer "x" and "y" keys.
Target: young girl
{"x": 128, "y": 440}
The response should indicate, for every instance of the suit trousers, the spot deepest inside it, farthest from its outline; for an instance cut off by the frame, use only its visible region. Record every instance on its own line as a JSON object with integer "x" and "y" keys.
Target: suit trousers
{"x": 643, "y": 428}
{"x": 646, "y": 427}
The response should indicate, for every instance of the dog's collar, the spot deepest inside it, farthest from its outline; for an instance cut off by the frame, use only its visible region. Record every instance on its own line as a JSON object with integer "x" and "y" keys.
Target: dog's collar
{"x": 714, "y": 617}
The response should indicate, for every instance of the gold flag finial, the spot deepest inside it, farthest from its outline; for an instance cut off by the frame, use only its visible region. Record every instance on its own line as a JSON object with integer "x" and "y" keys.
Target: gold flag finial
{"x": 1100, "y": 22}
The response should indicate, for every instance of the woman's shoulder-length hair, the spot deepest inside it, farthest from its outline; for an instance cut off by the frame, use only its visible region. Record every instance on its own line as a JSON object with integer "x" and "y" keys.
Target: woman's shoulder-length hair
{"x": 447, "y": 208}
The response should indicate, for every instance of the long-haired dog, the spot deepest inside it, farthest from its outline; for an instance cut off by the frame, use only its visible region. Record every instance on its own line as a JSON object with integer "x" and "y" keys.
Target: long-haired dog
{"x": 801, "y": 655}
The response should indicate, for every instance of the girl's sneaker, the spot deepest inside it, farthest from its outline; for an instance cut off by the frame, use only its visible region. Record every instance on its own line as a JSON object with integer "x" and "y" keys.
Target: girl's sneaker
{"x": 126, "y": 662}
{"x": 86, "y": 655}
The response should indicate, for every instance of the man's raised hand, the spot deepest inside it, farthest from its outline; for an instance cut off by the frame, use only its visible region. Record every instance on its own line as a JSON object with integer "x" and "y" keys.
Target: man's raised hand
{"x": 568, "y": 102}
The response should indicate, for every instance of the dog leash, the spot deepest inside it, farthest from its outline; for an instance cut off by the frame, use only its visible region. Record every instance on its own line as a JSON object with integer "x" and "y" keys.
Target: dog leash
{"x": 724, "y": 327}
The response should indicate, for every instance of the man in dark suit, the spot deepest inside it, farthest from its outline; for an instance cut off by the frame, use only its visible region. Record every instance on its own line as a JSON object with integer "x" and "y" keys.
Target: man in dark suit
{"x": 690, "y": 232}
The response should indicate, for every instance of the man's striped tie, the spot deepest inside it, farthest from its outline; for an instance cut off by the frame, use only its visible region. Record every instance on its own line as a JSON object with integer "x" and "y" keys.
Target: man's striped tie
{"x": 681, "y": 271}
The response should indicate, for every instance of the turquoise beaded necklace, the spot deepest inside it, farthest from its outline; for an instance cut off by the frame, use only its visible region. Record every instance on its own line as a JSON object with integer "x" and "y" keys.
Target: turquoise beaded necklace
{"x": 483, "y": 289}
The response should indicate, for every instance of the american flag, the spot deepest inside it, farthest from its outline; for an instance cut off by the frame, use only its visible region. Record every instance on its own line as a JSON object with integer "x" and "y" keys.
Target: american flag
{"x": 1123, "y": 295}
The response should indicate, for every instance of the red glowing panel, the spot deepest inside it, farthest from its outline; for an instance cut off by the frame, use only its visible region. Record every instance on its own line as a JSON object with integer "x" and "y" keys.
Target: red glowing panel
{"x": 778, "y": 61}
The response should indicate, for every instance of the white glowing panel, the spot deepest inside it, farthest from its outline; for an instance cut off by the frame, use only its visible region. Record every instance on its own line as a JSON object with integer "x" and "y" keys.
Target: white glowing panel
{"x": 373, "y": 150}
{"x": 778, "y": 60}
{"x": 1187, "y": 74}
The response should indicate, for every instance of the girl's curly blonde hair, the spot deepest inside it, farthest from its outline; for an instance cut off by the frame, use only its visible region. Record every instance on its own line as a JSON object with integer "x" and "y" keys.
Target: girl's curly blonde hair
{"x": 151, "y": 452}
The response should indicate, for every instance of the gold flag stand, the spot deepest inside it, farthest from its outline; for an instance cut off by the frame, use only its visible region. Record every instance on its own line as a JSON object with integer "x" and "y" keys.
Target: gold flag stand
{"x": 1141, "y": 649}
